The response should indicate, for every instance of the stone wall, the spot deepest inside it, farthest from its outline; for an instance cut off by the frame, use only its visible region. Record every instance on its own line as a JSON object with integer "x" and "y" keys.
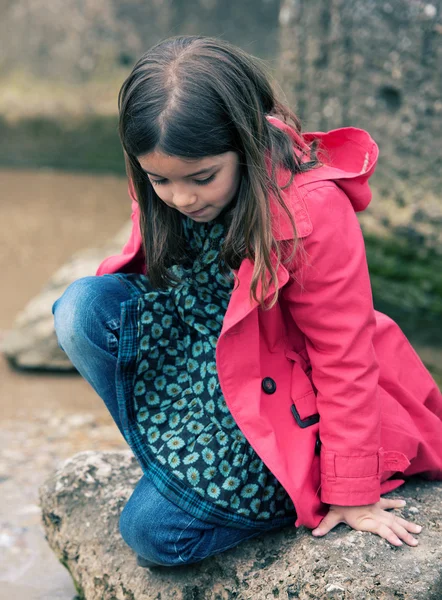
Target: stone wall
{"x": 372, "y": 64}
{"x": 80, "y": 39}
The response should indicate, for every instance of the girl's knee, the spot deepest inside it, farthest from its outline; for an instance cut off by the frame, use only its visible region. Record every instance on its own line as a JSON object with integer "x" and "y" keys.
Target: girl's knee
{"x": 137, "y": 528}
{"x": 73, "y": 309}
{"x": 152, "y": 537}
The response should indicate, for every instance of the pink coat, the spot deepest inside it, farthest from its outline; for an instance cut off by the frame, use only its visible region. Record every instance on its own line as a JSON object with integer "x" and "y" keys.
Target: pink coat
{"x": 328, "y": 391}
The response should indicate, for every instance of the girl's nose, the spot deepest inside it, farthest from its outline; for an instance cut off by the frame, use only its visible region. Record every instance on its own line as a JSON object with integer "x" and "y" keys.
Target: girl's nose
{"x": 182, "y": 200}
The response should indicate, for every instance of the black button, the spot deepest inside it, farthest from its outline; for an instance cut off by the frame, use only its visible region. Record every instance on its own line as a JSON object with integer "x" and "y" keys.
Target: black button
{"x": 318, "y": 445}
{"x": 268, "y": 385}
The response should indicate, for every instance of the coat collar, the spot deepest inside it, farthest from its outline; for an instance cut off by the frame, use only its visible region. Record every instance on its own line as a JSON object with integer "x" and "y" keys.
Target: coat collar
{"x": 281, "y": 226}
{"x": 241, "y": 304}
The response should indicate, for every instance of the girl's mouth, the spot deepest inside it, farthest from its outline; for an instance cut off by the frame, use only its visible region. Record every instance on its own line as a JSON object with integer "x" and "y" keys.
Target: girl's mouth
{"x": 196, "y": 213}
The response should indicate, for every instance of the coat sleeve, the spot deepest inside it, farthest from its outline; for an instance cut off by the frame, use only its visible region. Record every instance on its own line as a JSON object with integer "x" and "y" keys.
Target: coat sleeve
{"x": 330, "y": 300}
{"x": 131, "y": 259}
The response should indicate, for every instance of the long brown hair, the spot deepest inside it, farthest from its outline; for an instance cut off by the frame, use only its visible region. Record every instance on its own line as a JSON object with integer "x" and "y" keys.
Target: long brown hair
{"x": 192, "y": 97}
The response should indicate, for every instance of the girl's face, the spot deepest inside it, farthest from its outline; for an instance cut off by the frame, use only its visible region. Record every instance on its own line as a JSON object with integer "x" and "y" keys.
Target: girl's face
{"x": 198, "y": 188}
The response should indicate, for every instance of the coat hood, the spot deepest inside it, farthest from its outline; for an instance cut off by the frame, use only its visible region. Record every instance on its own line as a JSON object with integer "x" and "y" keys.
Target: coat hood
{"x": 349, "y": 156}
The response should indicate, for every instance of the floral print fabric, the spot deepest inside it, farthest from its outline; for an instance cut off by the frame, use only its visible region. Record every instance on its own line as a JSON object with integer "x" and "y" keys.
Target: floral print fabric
{"x": 181, "y": 415}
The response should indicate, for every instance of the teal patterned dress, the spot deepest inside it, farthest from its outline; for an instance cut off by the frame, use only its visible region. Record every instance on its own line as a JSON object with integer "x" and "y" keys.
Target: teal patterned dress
{"x": 171, "y": 405}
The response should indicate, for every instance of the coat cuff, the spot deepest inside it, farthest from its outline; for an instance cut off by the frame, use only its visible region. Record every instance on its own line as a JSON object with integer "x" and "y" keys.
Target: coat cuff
{"x": 356, "y": 480}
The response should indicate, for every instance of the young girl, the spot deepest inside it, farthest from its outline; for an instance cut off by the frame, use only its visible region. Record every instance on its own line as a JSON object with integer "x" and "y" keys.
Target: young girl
{"x": 234, "y": 340}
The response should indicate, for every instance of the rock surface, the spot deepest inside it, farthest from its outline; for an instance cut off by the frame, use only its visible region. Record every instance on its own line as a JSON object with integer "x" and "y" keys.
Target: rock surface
{"x": 81, "y": 503}
{"x": 32, "y": 343}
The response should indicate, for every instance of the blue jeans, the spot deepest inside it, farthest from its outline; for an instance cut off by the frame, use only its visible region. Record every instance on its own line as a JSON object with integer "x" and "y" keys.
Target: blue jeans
{"x": 87, "y": 322}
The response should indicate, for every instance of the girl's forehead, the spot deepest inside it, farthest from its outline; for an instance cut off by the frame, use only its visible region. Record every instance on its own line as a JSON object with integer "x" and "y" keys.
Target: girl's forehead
{"x": 159, "y": 163}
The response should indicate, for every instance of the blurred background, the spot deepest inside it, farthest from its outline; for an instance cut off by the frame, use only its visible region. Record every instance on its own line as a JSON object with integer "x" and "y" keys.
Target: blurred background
{"x": 375, "y": 65}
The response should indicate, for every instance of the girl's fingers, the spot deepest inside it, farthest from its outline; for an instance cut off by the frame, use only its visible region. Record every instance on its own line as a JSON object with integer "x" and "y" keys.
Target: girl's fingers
{"x": 387, "y": 503}
{"x": 373, "y": 518}
{"x": 330, "y": 521}
{"x": 387, "y": 533}
{"x": 412, "y": 527}
{"x": 391, "y": 529}
{"x": 402, "y": 533}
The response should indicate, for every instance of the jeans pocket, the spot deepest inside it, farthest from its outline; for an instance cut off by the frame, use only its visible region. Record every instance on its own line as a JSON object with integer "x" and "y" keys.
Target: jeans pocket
{"x": 113, "y": 335}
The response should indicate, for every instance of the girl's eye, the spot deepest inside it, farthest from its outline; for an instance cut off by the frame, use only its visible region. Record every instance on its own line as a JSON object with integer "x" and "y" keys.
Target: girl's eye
{"x": 204, "y": 181}
{"x": 196, "y": 181}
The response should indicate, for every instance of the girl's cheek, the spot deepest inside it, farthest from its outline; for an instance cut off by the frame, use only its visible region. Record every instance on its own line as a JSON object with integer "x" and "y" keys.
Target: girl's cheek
{"x": 164, "y": 197}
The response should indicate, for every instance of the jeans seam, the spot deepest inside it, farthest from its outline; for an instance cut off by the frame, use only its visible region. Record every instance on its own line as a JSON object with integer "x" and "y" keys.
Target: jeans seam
{"x": 179, "y": 538}
{"x": 232, "y": 545}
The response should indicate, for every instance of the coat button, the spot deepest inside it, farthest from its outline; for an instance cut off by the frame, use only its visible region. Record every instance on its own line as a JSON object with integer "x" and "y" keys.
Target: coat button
{"x": 268, "y": 385}
{"x": 318, "y": 445}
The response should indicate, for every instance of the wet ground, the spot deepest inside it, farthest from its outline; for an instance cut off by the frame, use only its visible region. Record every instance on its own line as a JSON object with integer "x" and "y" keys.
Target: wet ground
{"x": 44, "y": 419}
{"x": 35, "y": 442}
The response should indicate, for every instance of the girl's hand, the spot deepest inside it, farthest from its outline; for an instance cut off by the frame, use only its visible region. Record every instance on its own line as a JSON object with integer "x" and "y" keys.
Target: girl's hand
{"x": 374, "y": 518}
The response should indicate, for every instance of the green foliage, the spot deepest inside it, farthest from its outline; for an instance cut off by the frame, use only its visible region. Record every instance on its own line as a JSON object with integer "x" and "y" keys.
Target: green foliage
{"x": 83, "y": 144}
{"x": 406, "y": 279}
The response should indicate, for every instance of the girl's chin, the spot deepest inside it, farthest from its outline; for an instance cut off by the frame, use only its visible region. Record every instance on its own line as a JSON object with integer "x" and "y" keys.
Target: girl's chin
{"x": 206, "y": 214}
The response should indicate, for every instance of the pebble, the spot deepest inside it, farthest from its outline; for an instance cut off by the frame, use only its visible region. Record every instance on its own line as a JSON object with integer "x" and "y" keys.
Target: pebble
{"x": 334, "y": 588}
{"x": 430, "y": 10}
